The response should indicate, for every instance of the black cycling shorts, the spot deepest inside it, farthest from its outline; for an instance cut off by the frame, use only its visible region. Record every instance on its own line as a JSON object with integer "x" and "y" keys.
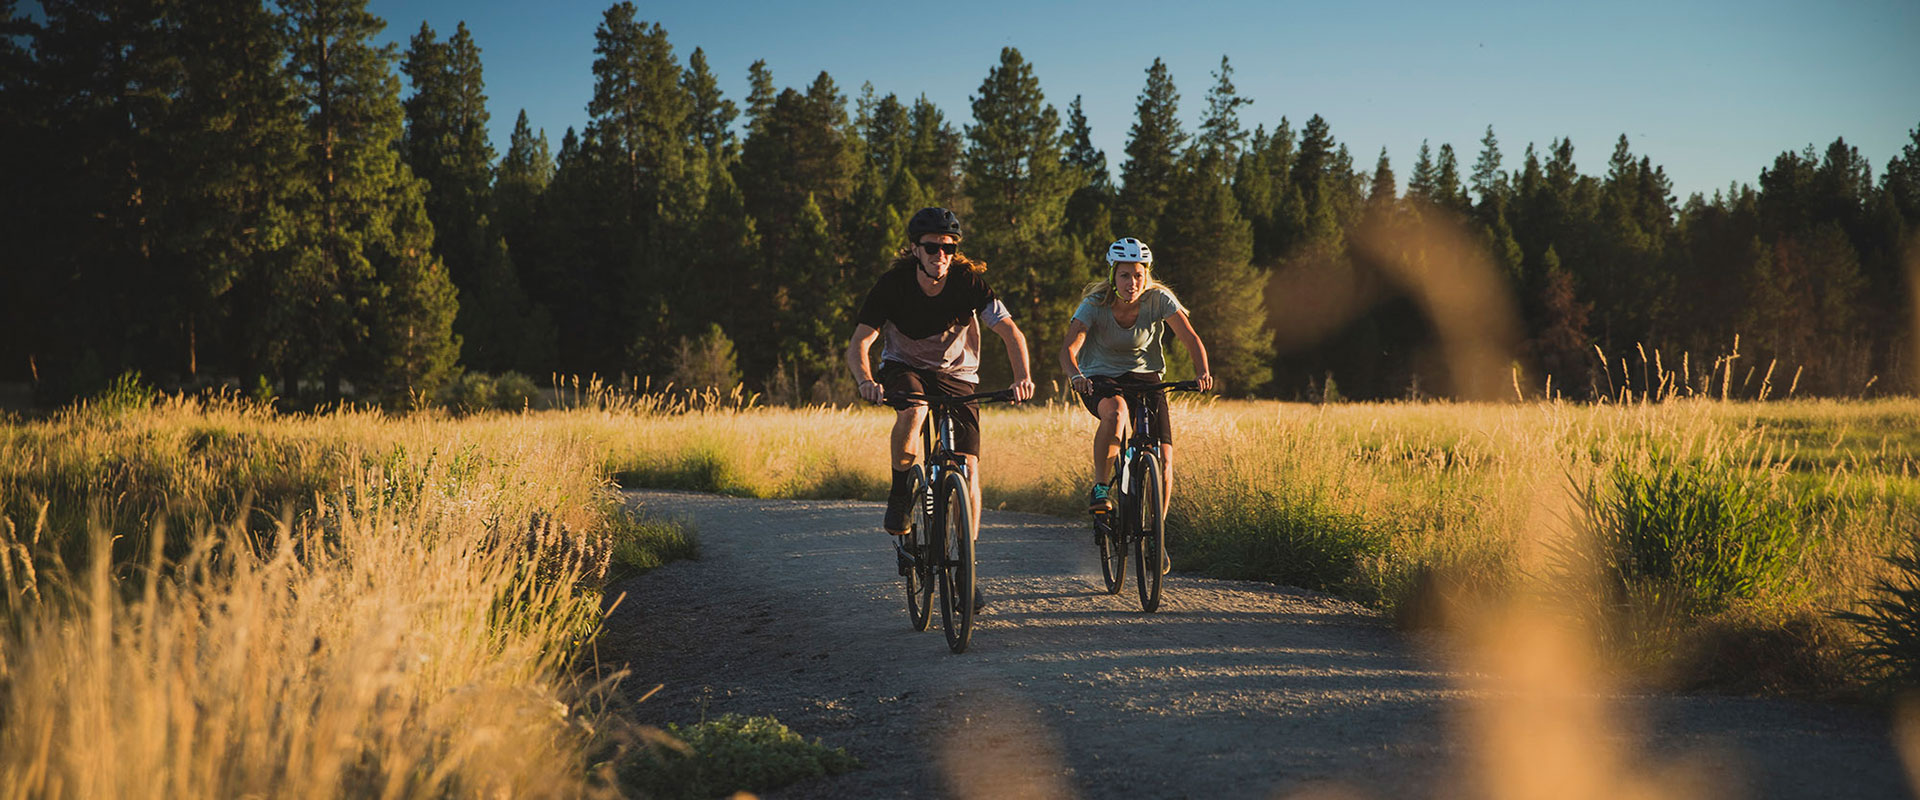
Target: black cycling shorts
{"x": 897, "y": 377}
{"x": 1156, "y": 404}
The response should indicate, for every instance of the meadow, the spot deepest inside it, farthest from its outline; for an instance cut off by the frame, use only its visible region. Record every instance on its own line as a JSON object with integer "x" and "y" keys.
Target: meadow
{"x": 204, "y": 598}
{"x": 1709, "y": 533}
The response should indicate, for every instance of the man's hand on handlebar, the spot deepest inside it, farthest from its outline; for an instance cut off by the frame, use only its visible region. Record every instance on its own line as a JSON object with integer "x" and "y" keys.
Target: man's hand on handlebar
{"x": 872, "y": 391}
{"x": 1022, "y": 390}
{"x": 1206, "y": 381}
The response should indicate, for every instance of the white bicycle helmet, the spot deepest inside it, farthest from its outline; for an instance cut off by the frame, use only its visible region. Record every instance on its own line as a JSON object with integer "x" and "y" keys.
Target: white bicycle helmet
{"x": 1129, "y": 249}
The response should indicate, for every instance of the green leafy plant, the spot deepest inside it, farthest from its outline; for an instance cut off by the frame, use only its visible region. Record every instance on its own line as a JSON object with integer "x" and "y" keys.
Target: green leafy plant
{"x": 729, "y": 754}
{"x": 642, "y": 543}
{"x": 127, "y": 393}
{"x": 1262, "y": 535}
{"x": 1698, "y": 536}
{"x": 1888, "y": 619}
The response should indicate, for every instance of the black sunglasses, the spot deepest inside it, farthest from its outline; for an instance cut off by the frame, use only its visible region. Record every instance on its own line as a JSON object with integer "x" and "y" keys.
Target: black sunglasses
{"x": 939, "y": 247}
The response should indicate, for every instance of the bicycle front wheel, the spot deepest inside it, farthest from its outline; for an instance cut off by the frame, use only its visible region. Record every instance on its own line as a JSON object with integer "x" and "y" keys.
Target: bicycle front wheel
{"x": 1110, "y": 531}
{"x": 1150, "y": 515}
{"x": 958, "y": 576}
{"x": 920, "y": 545}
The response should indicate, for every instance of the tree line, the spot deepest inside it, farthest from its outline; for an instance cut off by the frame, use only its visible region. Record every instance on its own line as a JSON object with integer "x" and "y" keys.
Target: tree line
{"x": 232, "y": 191}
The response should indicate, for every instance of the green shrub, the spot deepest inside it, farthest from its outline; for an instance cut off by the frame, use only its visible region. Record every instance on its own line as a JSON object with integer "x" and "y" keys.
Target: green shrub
{"x": 513, "y": 391}
{"x": 698, "y": 470}
{"x": 1257, "y": 535}
{"x": 732, "y": 754}
{"x": 470, "y": 393}
{"x": 1697, "y": 536}
{"x": 126, "y": 394}
{"x": 474, "y": 392}
{"x": 641, "y": 543}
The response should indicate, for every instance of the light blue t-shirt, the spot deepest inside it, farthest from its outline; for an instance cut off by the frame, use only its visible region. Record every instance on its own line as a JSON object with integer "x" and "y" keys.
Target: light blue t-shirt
{"x": 1111, "y": 350}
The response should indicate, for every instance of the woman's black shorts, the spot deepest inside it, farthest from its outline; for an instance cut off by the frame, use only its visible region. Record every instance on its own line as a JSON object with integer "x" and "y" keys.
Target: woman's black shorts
{"x": 1156, "y": 408}
{"x": 897, "y": 377}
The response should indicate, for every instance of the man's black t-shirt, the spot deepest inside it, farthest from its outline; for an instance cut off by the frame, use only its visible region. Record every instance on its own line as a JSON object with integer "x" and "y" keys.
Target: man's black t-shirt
{"x": 941, "y": 332}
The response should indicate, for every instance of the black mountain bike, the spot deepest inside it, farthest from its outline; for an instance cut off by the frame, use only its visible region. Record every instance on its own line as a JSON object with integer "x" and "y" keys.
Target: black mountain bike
{"x": 939, "y": 548}
{"x": 1138, "y": 519}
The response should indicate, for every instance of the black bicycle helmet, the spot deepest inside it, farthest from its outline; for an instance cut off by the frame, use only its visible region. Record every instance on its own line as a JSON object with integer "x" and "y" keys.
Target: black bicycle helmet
{"x": 932, "y": 220}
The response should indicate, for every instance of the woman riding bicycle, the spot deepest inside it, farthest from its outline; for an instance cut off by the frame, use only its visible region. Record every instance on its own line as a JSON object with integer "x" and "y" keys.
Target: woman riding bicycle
{"x": 928, "y": 308}
{"x": 1117, "y": 333}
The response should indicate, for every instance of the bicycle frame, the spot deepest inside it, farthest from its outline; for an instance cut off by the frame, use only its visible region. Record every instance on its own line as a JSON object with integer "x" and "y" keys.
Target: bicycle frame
{"x": 936, "y": 433}
{"x": 1139, "y": 436}
{"x": 1131, "y": 523}
{"x": 946, "y": 558}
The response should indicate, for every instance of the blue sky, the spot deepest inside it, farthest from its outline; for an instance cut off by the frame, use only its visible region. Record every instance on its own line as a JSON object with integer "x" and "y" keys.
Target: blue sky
{"x": 1712, "y": 91}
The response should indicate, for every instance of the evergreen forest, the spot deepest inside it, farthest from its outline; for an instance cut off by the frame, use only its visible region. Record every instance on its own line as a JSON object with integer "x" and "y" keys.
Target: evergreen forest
{"x": 239, "y": 193}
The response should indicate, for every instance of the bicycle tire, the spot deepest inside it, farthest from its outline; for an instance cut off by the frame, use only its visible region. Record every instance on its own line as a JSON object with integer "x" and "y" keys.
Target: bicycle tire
{"x": 919, "y": 578}
{"x": 1150, "y": 515}
{"x": 957, "y": 567}
{"x": 1113, "y": 547}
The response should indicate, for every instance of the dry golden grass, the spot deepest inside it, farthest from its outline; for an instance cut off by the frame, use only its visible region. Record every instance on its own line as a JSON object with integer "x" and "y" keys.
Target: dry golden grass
{"x": 402, "y": 632}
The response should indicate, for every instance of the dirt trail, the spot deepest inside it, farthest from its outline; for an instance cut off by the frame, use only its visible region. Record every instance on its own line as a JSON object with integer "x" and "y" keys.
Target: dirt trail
{"x": 1232, "y": 690}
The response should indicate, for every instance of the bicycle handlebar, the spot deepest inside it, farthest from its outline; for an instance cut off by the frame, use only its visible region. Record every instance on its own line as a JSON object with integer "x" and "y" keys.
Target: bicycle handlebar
{"x": 1105, "y": 387}
{"x": 900, "y": 399}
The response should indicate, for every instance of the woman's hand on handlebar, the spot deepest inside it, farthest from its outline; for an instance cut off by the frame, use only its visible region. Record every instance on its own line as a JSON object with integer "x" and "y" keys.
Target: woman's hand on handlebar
{"x": 1206, "y": 381}
{"x": 1081, "y": 384}
{"x": 1022, "y": 390}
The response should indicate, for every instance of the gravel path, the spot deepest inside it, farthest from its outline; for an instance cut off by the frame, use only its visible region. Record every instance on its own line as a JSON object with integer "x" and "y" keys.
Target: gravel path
{"x": 1232, "y": 690}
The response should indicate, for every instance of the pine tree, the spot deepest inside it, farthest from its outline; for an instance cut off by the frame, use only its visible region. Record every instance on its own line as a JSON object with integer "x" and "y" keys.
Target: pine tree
{"x": 1420, "y": 184}
{"x": 1447, "y": 192}
{"x": 641, "y": 152}
{"x": 1206, "y": 252}
{"x": 1089, "y": 220}
{"x": 1489, "y": 183}
{"x": 446, "y": 145}
{"x": 1154, "y": 144}
{"x": 1323, "y": 185}
{"x": 712, "y": 114}
{"x": 934, "y": 157}
{"x": 1561, "y": 346}
{"x": 760, "y": 95}
{"x": 1901, "y": 181}
{"x": 729, "y": 256}
{"x": 365, "y": 299}
{"x": 803, "y": 147}
{"x": 1221, "y": 136}
{"x": 104, "y": 78}
{"x": 234, "y": 153}
{"x": 1380, "y": 195}
{"x": 518, "y": 183}
{"x": 885, "y": 138}
{"x": 887, "y": 134}
{"x": 639, "y": 113}
{"x": 812, "y": 310}
{"x": 1267, "y": 198}
{"x": 22, "y": 123}
{"x": 1019, "y": 188}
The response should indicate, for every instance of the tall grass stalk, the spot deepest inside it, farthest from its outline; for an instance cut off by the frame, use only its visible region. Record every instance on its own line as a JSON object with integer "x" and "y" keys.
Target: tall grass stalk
{"x": 400, "y": 622}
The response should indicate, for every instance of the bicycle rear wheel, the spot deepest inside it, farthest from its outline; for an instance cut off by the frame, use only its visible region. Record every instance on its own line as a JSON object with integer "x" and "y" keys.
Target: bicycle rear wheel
{"x": 920, "y": 543}
{"x": 957, "y": 568}
{"x": 1147, "y": 512}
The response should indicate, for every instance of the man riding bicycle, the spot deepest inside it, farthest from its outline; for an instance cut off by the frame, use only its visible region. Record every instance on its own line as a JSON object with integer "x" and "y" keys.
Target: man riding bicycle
{"x": 1117, "y": 333}
{"x": 927, "y": 309}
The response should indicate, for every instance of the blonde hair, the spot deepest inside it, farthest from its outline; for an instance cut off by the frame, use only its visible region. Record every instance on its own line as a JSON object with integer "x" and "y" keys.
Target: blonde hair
{"x": 1101, "y": 293}
{"x": 906, "y": 257}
